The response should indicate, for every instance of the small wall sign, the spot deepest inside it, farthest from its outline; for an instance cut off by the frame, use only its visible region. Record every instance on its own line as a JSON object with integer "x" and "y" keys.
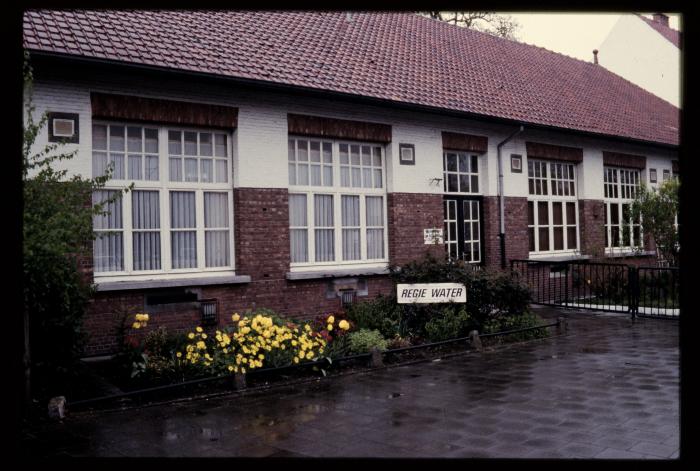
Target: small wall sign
{"x": 430, "y": 293}
{"x": 516, "y": 163}
{"x": 407, "y": 154}
{"x": 433, "y": 236}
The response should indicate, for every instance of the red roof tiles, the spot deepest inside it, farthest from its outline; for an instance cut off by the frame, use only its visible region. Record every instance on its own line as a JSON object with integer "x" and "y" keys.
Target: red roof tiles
{"x": 395, "y": 56}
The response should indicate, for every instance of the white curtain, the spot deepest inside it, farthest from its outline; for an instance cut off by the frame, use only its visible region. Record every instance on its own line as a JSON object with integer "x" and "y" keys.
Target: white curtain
{"x": 298, "y": 236}
{"x": 182, "y": 216}
{"x": 351, "y": 218}
{"x": 216, "y": 242}
{"x": 108, "y": 248}
{"x": 145, "y": 209}
{"x": 323, "y": 218}
{"x": 375, "y": 226}
{"x": 221, "y": 171}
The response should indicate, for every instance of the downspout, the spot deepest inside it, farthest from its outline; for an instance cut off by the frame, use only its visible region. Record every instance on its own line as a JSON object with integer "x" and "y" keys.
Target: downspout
{"x": 501, "y": 210}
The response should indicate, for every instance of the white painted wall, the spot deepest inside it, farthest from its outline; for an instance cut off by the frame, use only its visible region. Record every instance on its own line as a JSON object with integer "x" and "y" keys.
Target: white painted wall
{"x": 637, "y": 52}
{"x": 260, "y": 142}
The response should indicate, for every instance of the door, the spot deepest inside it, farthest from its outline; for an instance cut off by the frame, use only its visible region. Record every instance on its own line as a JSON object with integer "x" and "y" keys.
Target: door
{"x": 463, "y": 228}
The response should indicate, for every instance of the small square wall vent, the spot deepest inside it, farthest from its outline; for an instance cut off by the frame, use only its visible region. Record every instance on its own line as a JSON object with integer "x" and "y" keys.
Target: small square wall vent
{"x": 210, "y": 311}
{"x": 63, "y": 127}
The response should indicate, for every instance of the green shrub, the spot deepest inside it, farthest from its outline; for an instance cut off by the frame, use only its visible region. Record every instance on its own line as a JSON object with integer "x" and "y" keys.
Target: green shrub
{"x": 521, "y": 321}
{"x": 452, "y": 323}
{"x": 364, "y": 340}
{"x": 382, "y": 314}
{"x": 339, "y": 347}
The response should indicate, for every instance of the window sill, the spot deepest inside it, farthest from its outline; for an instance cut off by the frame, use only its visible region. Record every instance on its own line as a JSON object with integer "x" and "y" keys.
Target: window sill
{"x": 171, "y": 283}
{"x": 629, "y": 253}
{"x": 558, "y": 258}
{"x": 336, "y": 273}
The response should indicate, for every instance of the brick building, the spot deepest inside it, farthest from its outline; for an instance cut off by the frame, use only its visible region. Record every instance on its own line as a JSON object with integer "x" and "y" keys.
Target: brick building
{"x": 285, "y": 159}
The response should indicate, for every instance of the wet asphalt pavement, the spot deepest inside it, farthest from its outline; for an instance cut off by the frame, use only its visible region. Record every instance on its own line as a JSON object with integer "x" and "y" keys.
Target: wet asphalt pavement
{"x": 609, "y": 388}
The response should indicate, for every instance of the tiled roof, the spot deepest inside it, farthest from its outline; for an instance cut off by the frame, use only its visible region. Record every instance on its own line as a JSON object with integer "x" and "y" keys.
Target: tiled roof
{"x": 401, "y": 57}
{"x": 666, "y": 31}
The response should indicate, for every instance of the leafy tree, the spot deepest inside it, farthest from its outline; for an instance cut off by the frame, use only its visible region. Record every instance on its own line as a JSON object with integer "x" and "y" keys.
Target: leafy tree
{"x": 488, "y": 22}
{"x": 57, "y": 229}
{"x": 658, "y": 209}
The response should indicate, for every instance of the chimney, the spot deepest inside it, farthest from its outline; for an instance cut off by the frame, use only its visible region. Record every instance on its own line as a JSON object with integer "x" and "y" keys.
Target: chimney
{"x": 595, "y": 56}
{"x": 661, "y": 18}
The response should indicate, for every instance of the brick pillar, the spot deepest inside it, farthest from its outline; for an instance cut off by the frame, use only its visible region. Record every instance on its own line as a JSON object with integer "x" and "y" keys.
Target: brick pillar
{"x": 592, "y": 227}
{"x": 408, "y": 214}
{"x": 515, "y": 228}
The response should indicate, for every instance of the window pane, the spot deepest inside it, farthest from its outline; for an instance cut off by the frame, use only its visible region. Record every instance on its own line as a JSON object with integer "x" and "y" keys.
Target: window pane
{"x": 614, "y": 214}
{"x": 151, "y": 141}
{"x": 99, "y": 163}
{"x": 221, "y": 171}
{"x": 544, "y": 238}
{"x": 327, "y": 175}
{"x": 205, "y": 145}
{"x": 367, "y": 177}
{"x": 220, "y": 147}
{"x": 290, "y": 150}
{"x": 350, "y": 210}
{"x": 175, "y": 169}
{"x": 475, "y": 184}
{"x": 135, "y": 167}
{"x": 302, "y": 174}
{"x": 190, "y": 143}
{"x": 475, "y": 164}
{"x": 99, "y": 137}
{"x": 108, "y": 247}
{"x": 216, "y": 253}
{"x": 302, "y": 151}
{"x": 452, "y": 182}
{"x": 315, "y": 152}
{"x": 299, "y": 245}
{"x": 323, "y": 210}
{"x": 316, "y": 175}
{"x": 374, "y": 210}
{"x": 343, "y": 150}
{"x": 557, "y": 213}
{"x": 451, "y": 160}
{"x": 530, "y": 213}
{"x": 116, "y": 138}
{"x": 182, "y": 209}
{"x": 531, "y": 238}
{"x": 351, "y": 244}
{"x": 345, "y": 176}
{"x": 145, "y": 209}
{"x": 325, "y": 245}
{"x": 378, "y": 178}
{"x": 351, "y": 218}
{"x": 327, "y": 154}
{"x": 117, "y": 161}
{"x": 134, "y": 139}
{"x": 463, "y": 163}
{"x": 355, "y": 155}
{"x": 216, "y": 210}
{"x": 113, "y": 218}
{"x": 207, "y": 170}
{"x": 464, "y": 183}
{"x": 571, "y": 237}
{"x": 292, "y": 168}
{"x": 570, "y": 213}
{"x": 184, "y": 249}
{"x": 377, "y": 157}
{"x": 297, "y": 210}
{"x": 183, "y": 243}
{"x": 151, "y": 167}
{"x": 191, "y": 174}
{"x": 542, "y": 213}
{"x": 558, "y": 238}
{"x": 375, "y": 243}
{"x": 356, "y": 178}
{"x": 175, "y": 142}
{"x": 366, "y": 156}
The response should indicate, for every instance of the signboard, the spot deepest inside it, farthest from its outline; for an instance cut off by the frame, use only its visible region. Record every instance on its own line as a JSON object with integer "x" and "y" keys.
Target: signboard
{"x": 428, "y": 293}
{"x": 433, "y": 236}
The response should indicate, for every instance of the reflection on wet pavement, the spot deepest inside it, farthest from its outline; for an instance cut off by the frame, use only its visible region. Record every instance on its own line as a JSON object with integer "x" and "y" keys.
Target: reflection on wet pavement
{"x": 608, "y": 389}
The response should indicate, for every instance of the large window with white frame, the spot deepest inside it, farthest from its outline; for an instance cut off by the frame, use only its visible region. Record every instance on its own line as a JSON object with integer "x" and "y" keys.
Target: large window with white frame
{"x": 337, "y": 203}
{"x": 620, "y": 188}
{"x": 552, "y": 207}
{"x": 177, "y": 219}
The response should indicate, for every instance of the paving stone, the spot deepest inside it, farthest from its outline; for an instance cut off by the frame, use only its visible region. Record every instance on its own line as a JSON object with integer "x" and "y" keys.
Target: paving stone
{"x": 655, "y": 449}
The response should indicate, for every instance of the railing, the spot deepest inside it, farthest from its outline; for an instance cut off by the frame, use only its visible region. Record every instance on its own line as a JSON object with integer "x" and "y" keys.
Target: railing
{"x": 643, "y": 291}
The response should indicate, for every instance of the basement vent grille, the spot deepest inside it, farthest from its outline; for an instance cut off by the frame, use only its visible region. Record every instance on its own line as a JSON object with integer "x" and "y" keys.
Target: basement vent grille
{"x": 347, "y": 297}
{"x": 210, "y": 311}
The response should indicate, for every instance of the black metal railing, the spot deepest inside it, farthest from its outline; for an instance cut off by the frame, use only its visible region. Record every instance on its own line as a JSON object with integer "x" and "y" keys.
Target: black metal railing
{"x": 643, "y": 291}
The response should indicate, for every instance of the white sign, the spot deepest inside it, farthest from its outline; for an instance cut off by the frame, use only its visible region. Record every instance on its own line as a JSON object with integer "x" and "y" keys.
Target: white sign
{"x": 427, "y": 293}
{"x": 432, "y": 236}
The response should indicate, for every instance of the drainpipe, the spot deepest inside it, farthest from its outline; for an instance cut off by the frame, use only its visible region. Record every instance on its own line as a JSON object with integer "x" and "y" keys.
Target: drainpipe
{"x": 501, "y": 210}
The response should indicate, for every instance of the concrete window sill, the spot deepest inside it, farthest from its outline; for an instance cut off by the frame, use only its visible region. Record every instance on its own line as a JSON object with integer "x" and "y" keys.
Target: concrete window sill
{"x": 172, "y": 283}
{"x": 559, "y": 258}
{"x": 646, "y": 253}
{"x": 335, "y": 273}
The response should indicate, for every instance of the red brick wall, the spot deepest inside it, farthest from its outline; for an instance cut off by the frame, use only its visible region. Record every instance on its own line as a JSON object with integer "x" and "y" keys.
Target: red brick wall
{"x": 408, "y": 214}
{"x": 515, "y": 227}
{"x": 591, "y": 216}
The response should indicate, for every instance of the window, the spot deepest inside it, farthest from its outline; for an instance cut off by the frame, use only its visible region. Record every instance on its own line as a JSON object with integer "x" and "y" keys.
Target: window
{"x": 337, "y": 203}
{"x": 460, "y": 172}
{"x": 552, "y": 207}
{"x": 173, "y": 222}
{"x": 620, "y": 188}
{"x": 666, "y": 175}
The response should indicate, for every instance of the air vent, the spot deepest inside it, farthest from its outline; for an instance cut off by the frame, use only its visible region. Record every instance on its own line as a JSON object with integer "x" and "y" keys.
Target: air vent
{"x": 347, "y": 297}
{"x": 210, "y": 311}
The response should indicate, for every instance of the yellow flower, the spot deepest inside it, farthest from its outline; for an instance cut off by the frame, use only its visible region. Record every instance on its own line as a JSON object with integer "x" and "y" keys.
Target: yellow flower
{"x": 245, "y": 330}
{"x": 178, "y": 354}
{"x": 242, "y": 370}
{"x": 136, "y": 325}
{"x": 329, "y": 327}
{"x": 307, "y": 327}
{"x": 261, "y": 356}
{"x": 230, "y": 368}
{"x": 204, "y": 336}
{"x": 190, "y": 335}
{"x": 331, "y": 319}
{"x": 235, "y": 317}
{"x": 201, "y": 345}
{"x": 199, "y": 329}
{"x": 309, "y": 355}
{"x": 296, "y": 360}
{"x": 344, "y": 324}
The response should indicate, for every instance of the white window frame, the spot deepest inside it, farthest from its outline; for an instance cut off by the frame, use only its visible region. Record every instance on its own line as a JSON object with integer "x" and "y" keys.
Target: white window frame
{"x": 549, "y": 199}
{"x": 163, "y": 185}
{"x": 617, "y": 193}
{"x": 445, "y": 173}
{"x": 337, "y": 191}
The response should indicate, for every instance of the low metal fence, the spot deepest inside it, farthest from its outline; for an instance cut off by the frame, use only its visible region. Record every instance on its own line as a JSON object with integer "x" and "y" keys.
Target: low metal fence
{"x": 640, "y": 291}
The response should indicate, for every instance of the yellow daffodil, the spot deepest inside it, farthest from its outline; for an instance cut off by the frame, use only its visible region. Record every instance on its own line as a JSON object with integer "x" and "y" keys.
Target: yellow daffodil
{"x": 198, "y": 329}
{"x": 345, "y": 325}
{"x": 296, "y": 360}
{"x": 331, "y": 319}
{"x": 329, "y": 327}
{"x": 235, "y": 317}
{"x": 178, "y": 354}
{"x": 136, "y": 325}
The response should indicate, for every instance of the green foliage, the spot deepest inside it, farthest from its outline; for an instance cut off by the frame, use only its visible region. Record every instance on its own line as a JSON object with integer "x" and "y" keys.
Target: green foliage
{"x": 57, "y": 226}
{"x": 382, "y": 314}
{"x": 364, "y": 340}
{"x": 657, "y": 209}
{"x": 521, "y": 321}
{"x": 451, "y": 323}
